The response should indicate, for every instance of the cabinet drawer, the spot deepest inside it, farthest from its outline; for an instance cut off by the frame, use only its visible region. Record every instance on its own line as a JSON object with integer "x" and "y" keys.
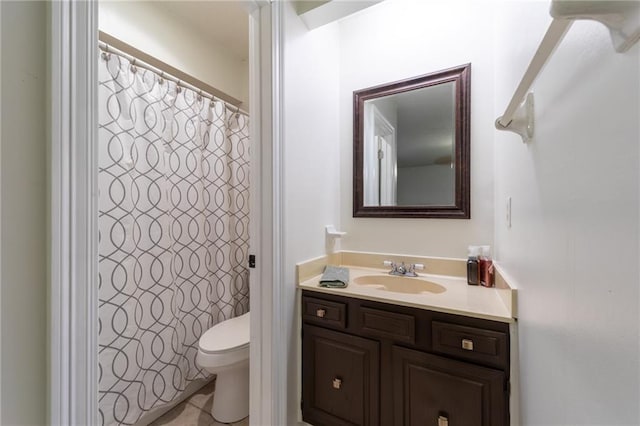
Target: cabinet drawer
{"x": 475, "y": 344}
{"x": 324, "y": 312}
{"x": 390, "y": 325}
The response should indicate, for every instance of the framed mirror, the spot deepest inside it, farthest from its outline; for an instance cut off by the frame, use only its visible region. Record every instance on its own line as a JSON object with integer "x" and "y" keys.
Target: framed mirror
{"x": 411, "y": 147}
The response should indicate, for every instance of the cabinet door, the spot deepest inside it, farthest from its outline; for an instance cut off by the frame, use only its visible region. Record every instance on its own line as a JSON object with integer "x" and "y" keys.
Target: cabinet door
{"x": 434, "y": 391}
{"x": 340, "y": 378}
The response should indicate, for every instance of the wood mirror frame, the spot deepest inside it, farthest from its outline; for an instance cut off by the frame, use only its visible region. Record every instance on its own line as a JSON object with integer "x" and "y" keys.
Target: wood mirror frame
{"x": 460, "y": 209}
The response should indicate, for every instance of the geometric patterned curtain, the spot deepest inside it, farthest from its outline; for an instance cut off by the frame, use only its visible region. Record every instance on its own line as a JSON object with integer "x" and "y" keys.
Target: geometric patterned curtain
{"x": 173, "y": 233}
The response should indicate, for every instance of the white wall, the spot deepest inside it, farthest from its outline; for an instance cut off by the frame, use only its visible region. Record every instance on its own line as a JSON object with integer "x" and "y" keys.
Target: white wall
{"x": 573, "y": 249}
{"x": 389, "y": 110}
{"x": 311, "y": 154}
{"x": 573, "y": 246}
{"x": 154, "y": 31}
{"x": 311, "y": 158}
{"x": 398, "y": 39}
{"x": 420, "y": 185}
{"x": 23, "y": 226}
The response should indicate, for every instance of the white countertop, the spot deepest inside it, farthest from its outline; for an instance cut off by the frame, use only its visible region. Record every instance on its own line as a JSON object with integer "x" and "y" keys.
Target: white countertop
{"x": 459, "y": 297}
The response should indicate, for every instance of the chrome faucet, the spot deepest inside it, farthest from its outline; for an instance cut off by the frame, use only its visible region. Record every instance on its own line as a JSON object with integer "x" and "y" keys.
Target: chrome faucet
{"x": 402, "y": 270}
{"x": 411, "y": 272}
{"x": 398, "y": 269}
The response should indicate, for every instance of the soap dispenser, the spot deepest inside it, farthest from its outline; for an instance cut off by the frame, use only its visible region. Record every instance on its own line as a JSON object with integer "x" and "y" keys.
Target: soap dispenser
{"x": 473, "y": 266}
{"x": 487, "y": 276}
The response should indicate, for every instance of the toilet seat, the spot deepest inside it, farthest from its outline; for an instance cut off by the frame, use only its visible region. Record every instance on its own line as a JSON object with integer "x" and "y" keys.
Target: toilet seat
{"x": 225, "y": 345}
{"x": 227, "y": 336}
{"x": 224, "y": 351}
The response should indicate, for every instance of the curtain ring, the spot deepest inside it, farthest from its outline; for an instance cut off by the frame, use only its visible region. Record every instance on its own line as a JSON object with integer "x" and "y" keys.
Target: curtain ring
{"x": 106, "y": 55}
{"x": 133, "y": 66}
{"x": 161, "y": 78}
{"x": 178, "y": 88}
{"x": 199, "y": 95}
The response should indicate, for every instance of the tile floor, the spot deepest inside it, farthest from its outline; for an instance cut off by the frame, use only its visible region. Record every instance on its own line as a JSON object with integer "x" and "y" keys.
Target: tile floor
{"x": 195, "y": 411}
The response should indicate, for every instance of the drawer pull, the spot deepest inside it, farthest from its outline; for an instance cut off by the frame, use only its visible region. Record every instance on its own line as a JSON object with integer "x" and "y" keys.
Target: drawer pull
{"x": 467, "y": 344}
{"x": 337, "y": 383}
{"x": 443, "y": 421}
{"x": 320, "y": 313}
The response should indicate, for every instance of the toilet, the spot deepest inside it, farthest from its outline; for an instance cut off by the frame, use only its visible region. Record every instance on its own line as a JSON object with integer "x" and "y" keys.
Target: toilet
{"x": 224, "y": 350}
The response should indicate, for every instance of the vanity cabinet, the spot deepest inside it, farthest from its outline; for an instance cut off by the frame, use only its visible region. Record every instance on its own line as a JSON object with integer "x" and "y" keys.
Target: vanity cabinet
{"x": 345, "y": 371}
{"x": 371, "y": 363}
{"x": 433, "y": 390}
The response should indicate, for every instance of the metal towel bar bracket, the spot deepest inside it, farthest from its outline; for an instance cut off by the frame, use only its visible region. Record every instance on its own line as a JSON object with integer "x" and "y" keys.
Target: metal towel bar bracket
{"x": 622, "y": 18}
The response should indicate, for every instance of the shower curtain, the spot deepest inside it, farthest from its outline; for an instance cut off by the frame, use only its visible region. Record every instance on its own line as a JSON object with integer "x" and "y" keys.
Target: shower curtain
{"x": 173, "y": 233}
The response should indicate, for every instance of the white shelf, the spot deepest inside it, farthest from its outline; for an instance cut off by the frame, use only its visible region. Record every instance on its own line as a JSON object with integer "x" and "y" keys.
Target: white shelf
{"x": 621, "y": 17}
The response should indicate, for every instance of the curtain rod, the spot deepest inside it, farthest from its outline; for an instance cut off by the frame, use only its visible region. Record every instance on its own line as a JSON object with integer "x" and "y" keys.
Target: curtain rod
{"x": 111, "y": 44}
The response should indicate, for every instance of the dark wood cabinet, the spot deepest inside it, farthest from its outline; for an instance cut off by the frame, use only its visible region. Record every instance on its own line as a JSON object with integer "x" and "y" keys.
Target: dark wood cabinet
{"x": 432, "y": 390}
{"x": 342, "y": 378}
{"x": 372, "y": 363}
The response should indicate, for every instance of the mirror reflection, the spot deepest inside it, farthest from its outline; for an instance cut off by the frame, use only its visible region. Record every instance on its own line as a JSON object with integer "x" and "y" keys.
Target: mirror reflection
{"x": 411, "y": 147}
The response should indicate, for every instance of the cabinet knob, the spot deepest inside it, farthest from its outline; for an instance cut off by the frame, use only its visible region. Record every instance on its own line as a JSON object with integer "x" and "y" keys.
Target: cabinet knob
{"x": 443, "y": 421}
{"x": 337, "y": 383}
{"x": 467, "y": 344}
{"x": 320, "y": 313}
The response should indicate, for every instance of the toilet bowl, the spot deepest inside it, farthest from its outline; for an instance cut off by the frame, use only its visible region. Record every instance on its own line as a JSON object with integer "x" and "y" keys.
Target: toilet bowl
{"x": 224, "y": 350}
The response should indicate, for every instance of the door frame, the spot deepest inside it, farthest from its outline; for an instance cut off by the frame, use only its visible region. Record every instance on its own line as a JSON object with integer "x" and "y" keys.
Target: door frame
{"x": 73, "y": 232}
{"x": 0, "y": 222}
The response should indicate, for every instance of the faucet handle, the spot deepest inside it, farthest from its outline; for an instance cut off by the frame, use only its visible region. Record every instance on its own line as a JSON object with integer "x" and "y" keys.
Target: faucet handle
{"x": 411, "y": 271}
{"x": 395, "y": 268}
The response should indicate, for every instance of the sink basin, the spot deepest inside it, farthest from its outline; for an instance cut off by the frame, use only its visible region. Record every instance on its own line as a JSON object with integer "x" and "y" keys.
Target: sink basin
{"x": 399, "y": 284}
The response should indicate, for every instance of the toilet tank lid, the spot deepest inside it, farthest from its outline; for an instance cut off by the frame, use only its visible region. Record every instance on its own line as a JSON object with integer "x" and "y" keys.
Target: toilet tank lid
{"x": 226, "y": 335}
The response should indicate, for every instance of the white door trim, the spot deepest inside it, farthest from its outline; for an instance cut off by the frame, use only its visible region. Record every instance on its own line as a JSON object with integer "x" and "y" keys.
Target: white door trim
{"x": 73, "y": 369}
{"x": 0, "y": 220}
{"x": 260, "y": 278}
{"x": 73, "y": 252}
{"x": 279, "y": 327}
{"x": 268, "y": 355}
